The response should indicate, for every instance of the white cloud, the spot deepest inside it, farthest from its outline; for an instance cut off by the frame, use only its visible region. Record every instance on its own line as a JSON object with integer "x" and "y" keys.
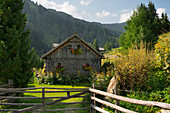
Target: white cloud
{"x": 84, "y": 12}
{"x": 160, "y": 11}
{"x": 114, "y": 14}
{"x": 126, "y": 15}
{"x": 124, "y": 11}
{"x": 65, "y": 7}
{"x": 85, "y": 2}
{"x": 102, "y": 14}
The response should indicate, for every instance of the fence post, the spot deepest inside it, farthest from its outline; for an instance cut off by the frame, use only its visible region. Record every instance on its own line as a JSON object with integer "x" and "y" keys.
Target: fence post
{"x": 116, "y": 93}
{"x": 90, "y": 103}
{"x": 10, "y": 82}
{"x": 68, "y": 94}
{"x": 43, "y": 100}
{"x": 94, "y": 96}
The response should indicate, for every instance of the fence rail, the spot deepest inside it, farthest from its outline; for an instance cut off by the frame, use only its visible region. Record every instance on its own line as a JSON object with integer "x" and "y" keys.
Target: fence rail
{"x": 69, "y": 93}
{"x": 78, "y": 93}
{"x": 9, "y": 85}
{"x": 125, "y": 99}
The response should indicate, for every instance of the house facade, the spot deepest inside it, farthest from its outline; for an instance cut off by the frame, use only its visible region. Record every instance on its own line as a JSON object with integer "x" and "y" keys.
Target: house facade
{"x": 74, "y": 54}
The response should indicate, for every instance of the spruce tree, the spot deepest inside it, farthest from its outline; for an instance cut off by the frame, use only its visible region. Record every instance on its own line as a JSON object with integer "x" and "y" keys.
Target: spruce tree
{"x": 95, "y": 44}
{"x": 107, "y": 46}
{"x": 165, "y": 24}
{"x": 14, "y": 38}
{"x": 144, "y": 25}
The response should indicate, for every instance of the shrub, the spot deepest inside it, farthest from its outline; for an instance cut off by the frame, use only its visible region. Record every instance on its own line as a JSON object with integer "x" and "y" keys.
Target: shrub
{"x": 133, "y": 69}
{"x": 102, "y": 79}
{"x": 162, "y": 49}
{"x": 59, "y": 69}
{"x": 105, "y": 66}
{"x": 159, "y": 96}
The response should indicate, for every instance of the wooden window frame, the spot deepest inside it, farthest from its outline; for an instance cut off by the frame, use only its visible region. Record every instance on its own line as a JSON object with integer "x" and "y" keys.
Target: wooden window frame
{"x": 78, "y": 46}
{"x": 58, "y": 64}
{"x": 69, "y": 46}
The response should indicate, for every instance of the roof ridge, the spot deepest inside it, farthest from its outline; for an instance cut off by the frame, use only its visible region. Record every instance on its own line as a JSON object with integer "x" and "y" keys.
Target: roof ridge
{"x": 66, "y": 40}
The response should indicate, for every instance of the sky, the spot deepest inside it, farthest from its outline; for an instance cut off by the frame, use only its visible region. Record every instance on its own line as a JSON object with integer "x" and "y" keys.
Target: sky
{"x": 103, "y": 11}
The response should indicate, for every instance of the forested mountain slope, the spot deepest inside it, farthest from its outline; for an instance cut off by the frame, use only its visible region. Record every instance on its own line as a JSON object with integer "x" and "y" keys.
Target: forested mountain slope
{"x": 48, "y": 26}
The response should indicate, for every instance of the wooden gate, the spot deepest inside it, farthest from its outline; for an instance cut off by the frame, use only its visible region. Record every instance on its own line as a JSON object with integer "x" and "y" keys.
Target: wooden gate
{"x": 66, "y": 93}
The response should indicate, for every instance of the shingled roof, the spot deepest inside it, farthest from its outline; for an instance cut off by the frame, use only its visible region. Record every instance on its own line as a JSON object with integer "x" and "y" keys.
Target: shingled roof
{"x": 65, "y": 41}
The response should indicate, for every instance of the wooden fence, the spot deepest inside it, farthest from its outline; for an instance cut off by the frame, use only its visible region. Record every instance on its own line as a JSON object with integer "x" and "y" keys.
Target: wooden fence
{"x": 41, "y": 107}
{"x": 69, "y": 93}
{"x": 9, "y": 85}
{"x": 125, "y": 99}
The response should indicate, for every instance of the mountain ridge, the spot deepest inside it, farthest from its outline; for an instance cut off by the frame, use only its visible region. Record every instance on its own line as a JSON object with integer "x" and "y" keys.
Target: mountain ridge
{"x": 48, "y": 26}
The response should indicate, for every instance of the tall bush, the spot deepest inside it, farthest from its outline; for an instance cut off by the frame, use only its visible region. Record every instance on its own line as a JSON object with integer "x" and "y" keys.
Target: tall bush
{"x": 134, "y": 68}
{"x": 162, "y": 49}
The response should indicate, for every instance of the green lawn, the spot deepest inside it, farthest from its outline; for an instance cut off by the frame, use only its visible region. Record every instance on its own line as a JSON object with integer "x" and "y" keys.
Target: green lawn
{"x": 58, "y": 95}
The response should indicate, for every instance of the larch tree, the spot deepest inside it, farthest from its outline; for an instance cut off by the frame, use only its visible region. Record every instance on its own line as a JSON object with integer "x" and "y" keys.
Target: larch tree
{"x": 16, "y": 56}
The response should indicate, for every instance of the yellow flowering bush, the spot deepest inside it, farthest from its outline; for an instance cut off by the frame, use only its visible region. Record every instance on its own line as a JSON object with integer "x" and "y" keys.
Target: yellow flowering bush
{"x": 134, "y": 68}
{"x": 102, "y": 79}
{"x": 162, "y": 48}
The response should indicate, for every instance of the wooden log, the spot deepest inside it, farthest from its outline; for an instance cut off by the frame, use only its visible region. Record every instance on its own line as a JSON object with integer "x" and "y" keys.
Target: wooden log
{"x": 116, "y": 101}
{"x": 10, "y": 82}
{"x": 18, "y": 89}
{"x": 21, "y": 104}
{"x": 134, "y": 101}
{"x": 14, "y": 91}
{"x": 60, "y": 91}
{"x": 68, "y": 109}
{"x": 90, "y": 103}
{"x": 5, "y": 85}
{"x": 43, "y": 100}
{"x": 94, "y": 103}
{"x": 13, "y": 110}
{"x": 112, "y": 105}
{"x": 49, "y": 103}
{"x": 98, "y": 109}
{"x": 68, "y": 94}
{"x": 10, "y": 97}
{"x": 79, "y": 89}
{"x": 4, "y": 93}
{"x": 84, "y": 102}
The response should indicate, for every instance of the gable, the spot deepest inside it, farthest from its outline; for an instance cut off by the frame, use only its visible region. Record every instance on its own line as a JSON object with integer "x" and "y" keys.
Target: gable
{"x": 73, "y": 39}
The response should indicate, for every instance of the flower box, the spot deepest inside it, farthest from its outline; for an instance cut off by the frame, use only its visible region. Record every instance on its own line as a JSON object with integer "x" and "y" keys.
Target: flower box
{"x": 59, "y": 69}
{"x": 87, "y": 68}
{"x": 76, "y": 51}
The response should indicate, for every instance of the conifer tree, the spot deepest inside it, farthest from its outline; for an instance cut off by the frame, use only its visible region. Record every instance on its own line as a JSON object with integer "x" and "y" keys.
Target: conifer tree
{"x": 144, "y": 25}
{"x": 107, "y": 46}
{"x": 95, "y": 44}
{"x": 14, "y": 38}
{"x": 165, "y": 24}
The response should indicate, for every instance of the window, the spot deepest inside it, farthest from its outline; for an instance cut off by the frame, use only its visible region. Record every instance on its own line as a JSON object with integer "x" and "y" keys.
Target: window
{"x": 59, "y": 64}
{"x": 69, "y": 46}
{"x": 78, "y": 46}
